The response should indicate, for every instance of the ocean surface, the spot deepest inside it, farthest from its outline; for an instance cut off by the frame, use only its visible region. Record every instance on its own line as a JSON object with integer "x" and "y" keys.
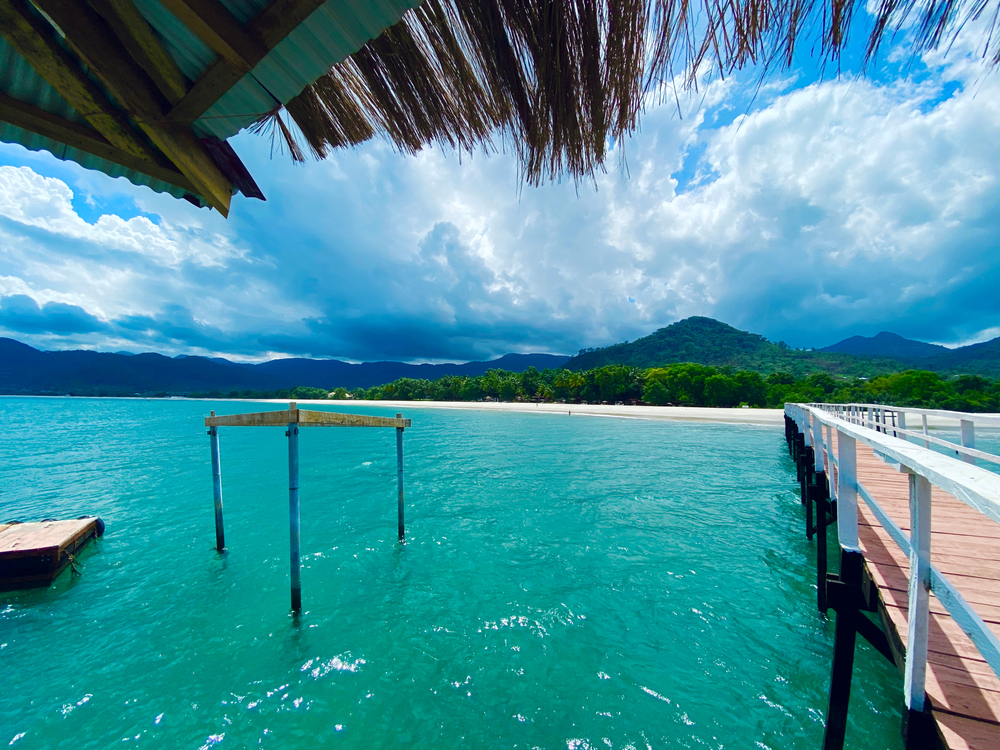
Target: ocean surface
{"x": 567, "y": 582}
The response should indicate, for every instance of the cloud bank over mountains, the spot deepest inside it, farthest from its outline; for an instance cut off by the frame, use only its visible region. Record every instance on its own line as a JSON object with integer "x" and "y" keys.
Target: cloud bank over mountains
{"x": 830, "y": 209}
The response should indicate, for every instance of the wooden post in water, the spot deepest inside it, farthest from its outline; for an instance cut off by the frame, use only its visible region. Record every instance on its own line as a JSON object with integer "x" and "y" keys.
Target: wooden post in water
{"x": 293, "y": 508}
{"x": 399, "y": 476}
{"x": 220, "y": 534}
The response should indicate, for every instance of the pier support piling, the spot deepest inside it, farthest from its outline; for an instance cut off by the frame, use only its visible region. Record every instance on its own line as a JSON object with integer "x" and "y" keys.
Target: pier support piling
{"x": 399, "y": 478}
{"x": 220, "y": 534}
{"x": 846, "y": 597}
{"x": 293, "y": 514}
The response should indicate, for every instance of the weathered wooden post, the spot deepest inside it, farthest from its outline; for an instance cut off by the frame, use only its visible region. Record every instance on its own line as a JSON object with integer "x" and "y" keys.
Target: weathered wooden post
{"x": 220, "y": 534}
{"x": 399, "y": 476}
{"x": 293, "y": 506}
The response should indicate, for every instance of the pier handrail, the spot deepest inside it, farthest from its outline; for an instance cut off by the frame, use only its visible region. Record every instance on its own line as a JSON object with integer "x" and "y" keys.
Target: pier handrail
{"x": 974, "y": 486}
{"x": 877, "y": 415}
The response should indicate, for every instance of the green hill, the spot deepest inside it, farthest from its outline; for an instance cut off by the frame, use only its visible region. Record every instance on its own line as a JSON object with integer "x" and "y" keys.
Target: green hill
{"x": 710, "y": 342}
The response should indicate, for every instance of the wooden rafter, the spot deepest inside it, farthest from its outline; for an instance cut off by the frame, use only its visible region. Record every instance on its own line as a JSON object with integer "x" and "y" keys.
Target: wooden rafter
{"x": 80, "y": 137}
{"x": 138, "y": 38}
{"x": 270, "y": 26}
{"x": 36, "y": 43}
{"x": 212, "y": 22}
{"x": 88, "y": 35}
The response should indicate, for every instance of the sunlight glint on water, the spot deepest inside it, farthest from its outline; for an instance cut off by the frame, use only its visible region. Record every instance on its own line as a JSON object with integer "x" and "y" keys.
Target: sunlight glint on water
{"x": 569, "y": 582}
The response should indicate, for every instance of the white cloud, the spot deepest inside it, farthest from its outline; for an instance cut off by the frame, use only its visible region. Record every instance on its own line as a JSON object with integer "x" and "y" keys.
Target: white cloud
{"x": 31, "y": 200}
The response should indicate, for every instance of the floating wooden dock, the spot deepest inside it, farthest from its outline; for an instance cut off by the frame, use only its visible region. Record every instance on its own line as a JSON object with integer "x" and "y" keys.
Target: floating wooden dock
{"x": 950, "y": 609}
{"x": 33, "y": 554}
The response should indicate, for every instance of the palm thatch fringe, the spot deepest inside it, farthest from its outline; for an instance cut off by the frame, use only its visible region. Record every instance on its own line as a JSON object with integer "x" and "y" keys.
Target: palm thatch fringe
{"x": 559, "y": 80}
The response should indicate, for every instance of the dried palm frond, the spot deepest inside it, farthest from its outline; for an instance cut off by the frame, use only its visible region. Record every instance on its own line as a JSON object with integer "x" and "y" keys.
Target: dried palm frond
{"x": 557, "y": 80}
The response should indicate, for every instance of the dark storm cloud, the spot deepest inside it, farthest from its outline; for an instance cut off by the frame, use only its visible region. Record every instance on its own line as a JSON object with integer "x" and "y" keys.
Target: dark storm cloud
{"x": 22, "y": 314}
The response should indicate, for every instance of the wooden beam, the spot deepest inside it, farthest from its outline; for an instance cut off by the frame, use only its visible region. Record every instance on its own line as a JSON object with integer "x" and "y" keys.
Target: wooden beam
{"x": 35, "y": 42}
{"x": 258, "y": 419}
{"x": 304, "y": 417}
{"x": 138, "y": 38}
{"x": 212, "y": 22}
{"x": 88, "y": 34}
{"x": 78, "y": 136}
{"x": 271, "y": 26}
{"x": 309, "y": 418}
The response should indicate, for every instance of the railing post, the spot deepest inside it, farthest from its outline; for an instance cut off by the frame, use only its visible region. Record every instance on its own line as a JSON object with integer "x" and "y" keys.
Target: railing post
{"x": 923, "y": 419}
{"x": 847, "y": 491}
{"x": 399, "y": 476}
{"x": 901, "y": 420}
{"x": 220, "y": 534}
{"x": 920, "y": 583}
{"x": 968, "y": 439}
{"x": 293, "y": 508}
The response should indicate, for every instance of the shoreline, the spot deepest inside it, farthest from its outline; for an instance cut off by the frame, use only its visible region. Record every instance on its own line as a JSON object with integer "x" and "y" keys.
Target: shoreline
{"x": 700, "y": 414}
{"x": 771, "y": 417}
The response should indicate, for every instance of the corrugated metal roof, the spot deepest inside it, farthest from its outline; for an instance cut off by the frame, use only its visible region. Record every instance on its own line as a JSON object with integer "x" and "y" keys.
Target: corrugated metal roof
{"x": 332, "y": 33}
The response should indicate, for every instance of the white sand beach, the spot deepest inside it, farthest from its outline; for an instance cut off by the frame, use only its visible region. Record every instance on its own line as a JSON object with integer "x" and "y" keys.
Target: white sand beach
{"x": 668, "y": 413}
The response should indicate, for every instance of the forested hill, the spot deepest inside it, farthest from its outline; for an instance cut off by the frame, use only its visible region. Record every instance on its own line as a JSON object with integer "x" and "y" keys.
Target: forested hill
{"x": 710, "y": 342}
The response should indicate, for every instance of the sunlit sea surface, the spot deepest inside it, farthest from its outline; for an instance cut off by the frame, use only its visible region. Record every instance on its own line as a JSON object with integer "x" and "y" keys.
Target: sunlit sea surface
{"x": 567, "y": 582}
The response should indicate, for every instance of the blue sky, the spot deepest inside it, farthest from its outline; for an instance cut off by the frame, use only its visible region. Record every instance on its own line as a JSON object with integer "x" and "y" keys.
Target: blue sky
{"x": 811, "y": 210}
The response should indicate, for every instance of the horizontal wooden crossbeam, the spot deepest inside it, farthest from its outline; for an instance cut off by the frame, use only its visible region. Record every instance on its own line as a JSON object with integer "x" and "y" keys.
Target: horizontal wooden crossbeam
{"x": 305, "y": 418}
{"x": 135, "y": 34}
{"x": 35, "y": 41}
{"x": 91, "y": 38}
{"x": 212, "y": 22}
{"x": 75, "y": 135}
{"x": 269, "y": 27}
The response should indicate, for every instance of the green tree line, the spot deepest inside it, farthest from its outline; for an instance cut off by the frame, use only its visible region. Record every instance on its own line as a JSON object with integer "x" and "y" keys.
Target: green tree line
{"x": 682, "y": 384}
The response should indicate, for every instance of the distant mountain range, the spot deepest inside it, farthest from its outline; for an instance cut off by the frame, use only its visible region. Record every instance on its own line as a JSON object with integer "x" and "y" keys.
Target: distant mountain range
{"x": 24, "y": 369}
{"x": 886, "y": 344}
{"x": 710, "y": 342}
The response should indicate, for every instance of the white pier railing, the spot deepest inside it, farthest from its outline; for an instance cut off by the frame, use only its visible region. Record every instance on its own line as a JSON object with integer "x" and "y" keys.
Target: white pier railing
{"x": 893, "y": 420}
{"x": 883, "y": 428}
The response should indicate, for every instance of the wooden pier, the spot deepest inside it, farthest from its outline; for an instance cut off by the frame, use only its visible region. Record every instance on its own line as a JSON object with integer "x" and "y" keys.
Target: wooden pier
{"x": 34, "y": 554}
{"x": 907, "y": 521}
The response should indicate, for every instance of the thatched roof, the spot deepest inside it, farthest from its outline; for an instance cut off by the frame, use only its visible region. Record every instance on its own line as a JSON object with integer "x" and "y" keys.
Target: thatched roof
{"x": 558, "y": 80}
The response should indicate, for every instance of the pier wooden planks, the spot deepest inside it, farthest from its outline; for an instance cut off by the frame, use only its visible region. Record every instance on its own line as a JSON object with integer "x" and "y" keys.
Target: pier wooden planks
{"x": 33, "y": 554}
{"x": 964, "y": 692}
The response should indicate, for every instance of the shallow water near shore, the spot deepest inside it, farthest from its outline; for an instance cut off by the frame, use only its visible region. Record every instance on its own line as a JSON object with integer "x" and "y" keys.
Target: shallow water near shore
{"x": 567, "y": 582}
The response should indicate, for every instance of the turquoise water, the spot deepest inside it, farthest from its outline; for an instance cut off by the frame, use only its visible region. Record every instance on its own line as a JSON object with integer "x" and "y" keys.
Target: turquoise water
{"x": 568, "y": 582}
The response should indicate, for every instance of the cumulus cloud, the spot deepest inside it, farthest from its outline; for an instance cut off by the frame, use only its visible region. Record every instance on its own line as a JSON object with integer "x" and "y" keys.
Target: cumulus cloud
{"x": 29, "y": 200}
{"x": 826, "y": 210}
